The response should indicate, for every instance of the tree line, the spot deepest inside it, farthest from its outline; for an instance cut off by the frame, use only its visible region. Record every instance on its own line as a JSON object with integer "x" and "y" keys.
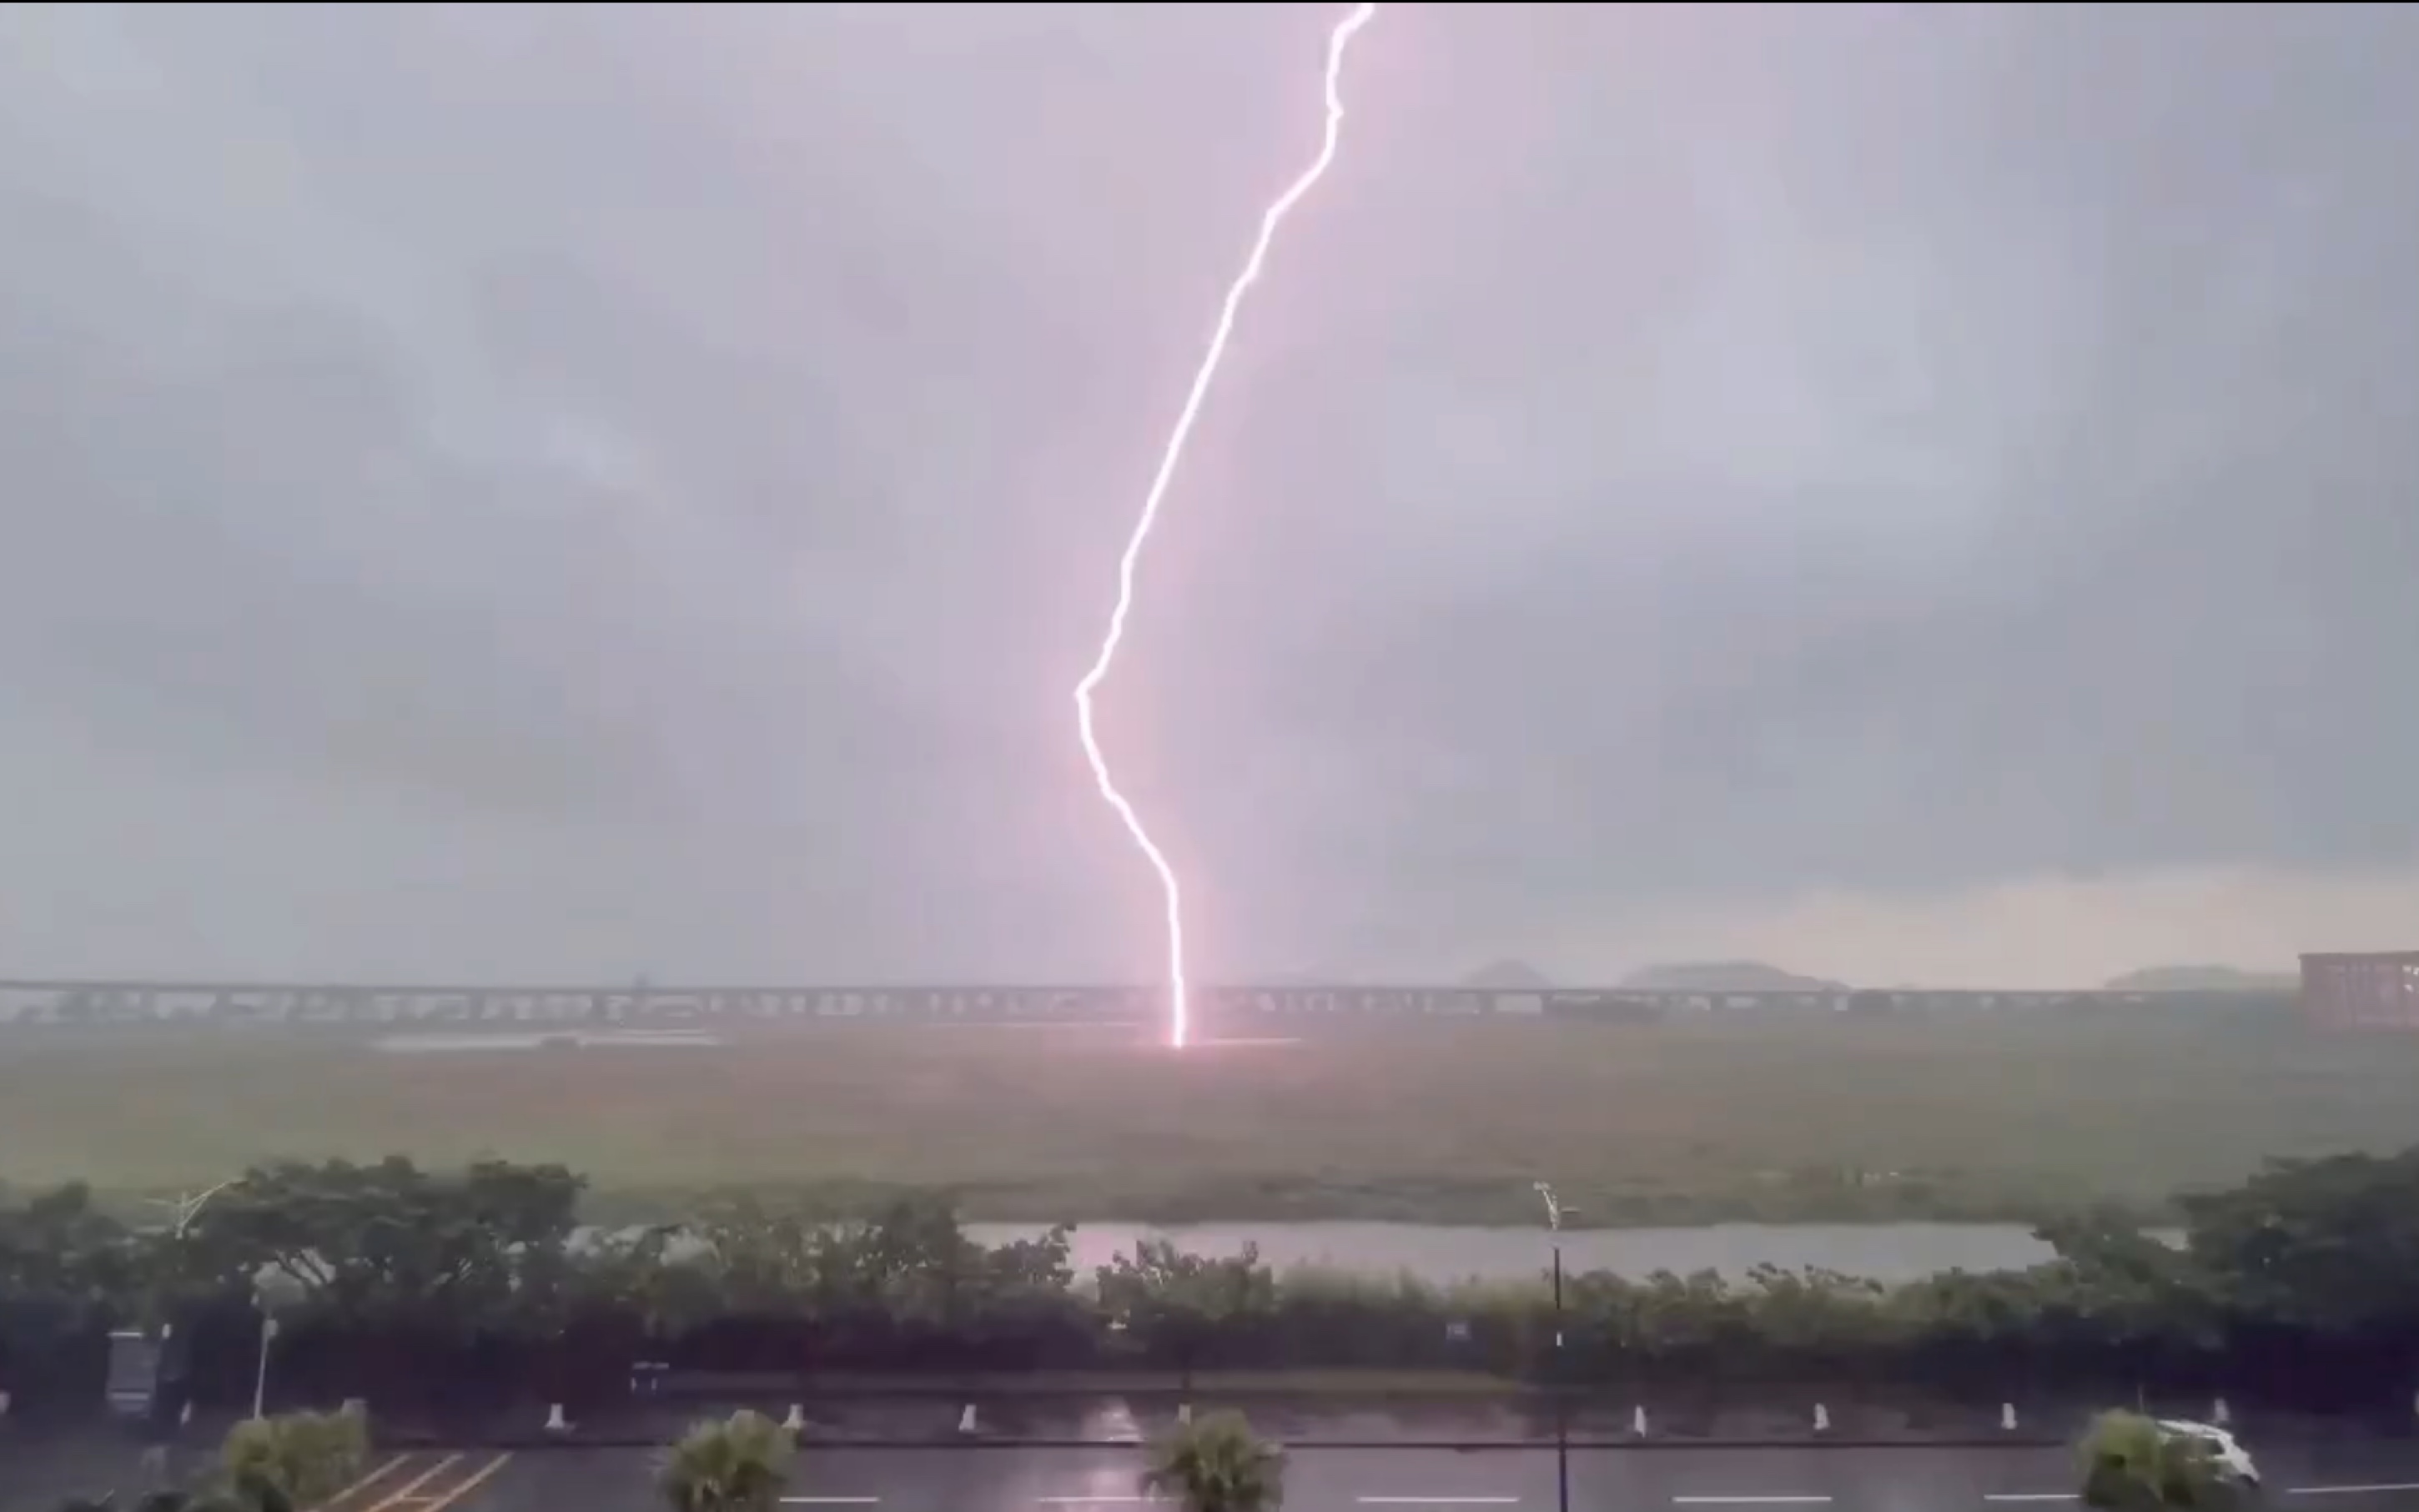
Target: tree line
{"x": 400, "y": 1285}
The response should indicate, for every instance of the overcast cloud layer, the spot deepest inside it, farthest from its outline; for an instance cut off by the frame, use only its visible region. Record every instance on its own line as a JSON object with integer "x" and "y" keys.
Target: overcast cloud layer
{"x": 557, "y": 492}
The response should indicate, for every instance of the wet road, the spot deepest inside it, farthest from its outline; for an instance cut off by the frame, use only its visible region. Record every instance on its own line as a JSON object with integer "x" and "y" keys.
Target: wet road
{"x": 2354, "y": 1475}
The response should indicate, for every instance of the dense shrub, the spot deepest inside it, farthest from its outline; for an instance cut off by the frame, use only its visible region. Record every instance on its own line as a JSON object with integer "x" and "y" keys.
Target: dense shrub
{"x": 389, "y": 1281}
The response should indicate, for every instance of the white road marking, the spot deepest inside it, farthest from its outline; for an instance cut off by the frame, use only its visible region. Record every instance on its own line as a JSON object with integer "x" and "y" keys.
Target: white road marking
{"x": 2029, "y": 1496}
{"x": 1099, "y": 1501}
{"x": 1748, "y": 1501}
{"x": 830, "y": 1500}
{"x": 1437, "y": 1501}
{"x": 2352, "y": 1490}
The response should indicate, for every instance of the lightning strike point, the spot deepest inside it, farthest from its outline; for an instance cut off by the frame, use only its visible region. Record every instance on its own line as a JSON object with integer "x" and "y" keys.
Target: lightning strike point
{"x": 1338, "y": 41}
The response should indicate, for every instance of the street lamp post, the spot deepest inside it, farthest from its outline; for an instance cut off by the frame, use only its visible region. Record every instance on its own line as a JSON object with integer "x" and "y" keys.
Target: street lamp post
{"x": 184, "y": 1210}
{"x": 1554, "y": 1211}
{"x": 260, "y": 1367}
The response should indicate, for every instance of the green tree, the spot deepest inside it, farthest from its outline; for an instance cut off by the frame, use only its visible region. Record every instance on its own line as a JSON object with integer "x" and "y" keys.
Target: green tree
{"x": 2331, "y": 1245}
{"x": 2130, "y": 1465}
{"x": 1217, "y": 1464}
{"x": 392, "y": 1245}
{"x": 737, "y": 1465}
{"x": 60, "y": 1248}
{"x": 1177, "y": 1306}
{"x": 759, "y": 1260}
{"x": 642, "y": 1277}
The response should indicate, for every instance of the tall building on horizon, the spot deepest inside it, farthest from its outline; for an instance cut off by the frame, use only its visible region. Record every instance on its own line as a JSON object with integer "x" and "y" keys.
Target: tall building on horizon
{"x": 2362, "y": 990}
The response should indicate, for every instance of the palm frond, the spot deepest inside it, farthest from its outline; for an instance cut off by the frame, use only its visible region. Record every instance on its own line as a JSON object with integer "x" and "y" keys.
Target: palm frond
{"x": 1217, "y": 1464}
{"x": 737, "y": 1465}
{"x": 2129, "y": 1464}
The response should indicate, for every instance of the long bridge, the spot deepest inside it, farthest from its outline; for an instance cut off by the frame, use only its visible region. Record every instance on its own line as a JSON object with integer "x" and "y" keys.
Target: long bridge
{"x": 135, "y": 1003}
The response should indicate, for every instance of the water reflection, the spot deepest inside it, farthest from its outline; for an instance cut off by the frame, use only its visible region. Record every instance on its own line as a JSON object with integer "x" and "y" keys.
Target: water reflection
{"x": 1890, "y": 1252}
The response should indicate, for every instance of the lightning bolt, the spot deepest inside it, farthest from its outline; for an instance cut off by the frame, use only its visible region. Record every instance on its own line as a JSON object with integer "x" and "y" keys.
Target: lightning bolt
{"x": 1338, "y": 41}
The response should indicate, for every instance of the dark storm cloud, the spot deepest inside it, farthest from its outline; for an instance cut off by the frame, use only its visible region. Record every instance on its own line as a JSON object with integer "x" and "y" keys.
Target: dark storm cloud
{"x": 564, "y": 491}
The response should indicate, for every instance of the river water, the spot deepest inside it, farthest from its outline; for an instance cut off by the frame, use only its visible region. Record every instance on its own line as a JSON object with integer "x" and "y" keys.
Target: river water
{"x": 1886, "y": 1252}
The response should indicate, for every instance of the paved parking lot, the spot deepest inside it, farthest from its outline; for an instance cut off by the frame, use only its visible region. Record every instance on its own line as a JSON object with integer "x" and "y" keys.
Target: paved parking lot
{"x": 2367, "y": 1475}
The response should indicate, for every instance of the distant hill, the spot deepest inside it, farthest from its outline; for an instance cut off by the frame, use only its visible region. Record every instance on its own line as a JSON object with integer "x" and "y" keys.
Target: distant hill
{"x": 1725, "y": 976}
{"x": 2204, "y": 980}
{"x": 1507, "y": 976}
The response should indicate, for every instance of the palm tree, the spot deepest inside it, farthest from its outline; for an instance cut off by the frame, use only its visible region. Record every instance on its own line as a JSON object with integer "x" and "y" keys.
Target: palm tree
{"x": 739, "y": 1465}
{"x": 294, "y": 1458}
{"x": 1217, "y": 1464}
{"x": 2129, "y": 1464}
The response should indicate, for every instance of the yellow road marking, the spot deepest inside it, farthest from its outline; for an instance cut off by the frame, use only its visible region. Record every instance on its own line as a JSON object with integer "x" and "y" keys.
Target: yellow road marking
{"x": 364, "y": 1484}
{"x": 403, "y": 1492}
{"x": 415, "y": 1495}
{"x": 439, "y": 1503}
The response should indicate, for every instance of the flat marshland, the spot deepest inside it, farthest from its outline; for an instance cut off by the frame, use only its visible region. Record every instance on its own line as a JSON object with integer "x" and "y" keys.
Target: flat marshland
{"x": 1778, "y": 1118}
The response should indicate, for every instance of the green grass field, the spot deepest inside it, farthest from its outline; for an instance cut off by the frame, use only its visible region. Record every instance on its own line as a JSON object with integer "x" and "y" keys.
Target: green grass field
{"x": 1991, "y": 1117}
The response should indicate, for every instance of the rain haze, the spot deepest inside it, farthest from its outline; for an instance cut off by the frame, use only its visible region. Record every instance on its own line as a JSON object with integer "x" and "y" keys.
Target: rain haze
{"x": 554, "y": 493}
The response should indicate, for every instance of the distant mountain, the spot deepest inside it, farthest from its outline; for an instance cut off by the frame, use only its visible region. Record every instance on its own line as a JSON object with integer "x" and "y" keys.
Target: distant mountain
{"x": 1507, "y": 977}
{"x": 1725, "y": 976}
{"x": 2204, "y": 980}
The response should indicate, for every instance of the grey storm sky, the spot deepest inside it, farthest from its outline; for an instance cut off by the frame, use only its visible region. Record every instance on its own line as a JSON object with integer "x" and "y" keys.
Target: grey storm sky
{"x": 560, "y": 491}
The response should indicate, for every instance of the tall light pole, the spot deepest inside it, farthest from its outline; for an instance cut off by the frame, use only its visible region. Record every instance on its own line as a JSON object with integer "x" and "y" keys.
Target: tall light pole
{"x": 1554, "y": 1211}
{"x": 260, "y": 1370}
{"x": 183, "y": 1210}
